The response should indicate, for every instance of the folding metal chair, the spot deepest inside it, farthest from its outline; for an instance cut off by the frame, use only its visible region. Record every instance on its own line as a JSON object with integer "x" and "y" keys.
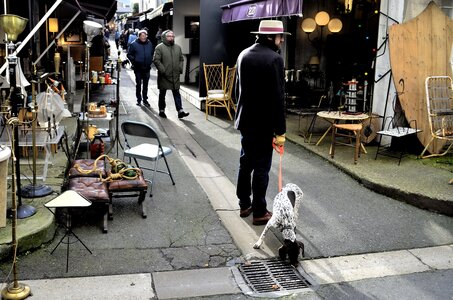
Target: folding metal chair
{"x": 152, "y": 150}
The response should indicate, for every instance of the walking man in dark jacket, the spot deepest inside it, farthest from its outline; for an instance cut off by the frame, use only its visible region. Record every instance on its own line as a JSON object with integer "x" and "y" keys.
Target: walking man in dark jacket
{"x": 141, "y": 56}
{"x": 260, "y": 116}
{"x": 168, "y": 60}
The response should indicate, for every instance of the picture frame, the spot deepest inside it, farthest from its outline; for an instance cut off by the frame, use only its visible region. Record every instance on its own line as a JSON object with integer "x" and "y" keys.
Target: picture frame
{"x": 73, "y": 37}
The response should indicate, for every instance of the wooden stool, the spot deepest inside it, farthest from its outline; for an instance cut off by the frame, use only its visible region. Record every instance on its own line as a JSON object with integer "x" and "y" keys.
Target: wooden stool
{"x": 138, "y": 186}
{"x": 356, "y": 129}
{"x": 93, "y": 189}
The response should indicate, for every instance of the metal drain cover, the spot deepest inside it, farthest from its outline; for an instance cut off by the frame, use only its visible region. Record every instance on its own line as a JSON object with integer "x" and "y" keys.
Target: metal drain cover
{"x": 271, "y": 278}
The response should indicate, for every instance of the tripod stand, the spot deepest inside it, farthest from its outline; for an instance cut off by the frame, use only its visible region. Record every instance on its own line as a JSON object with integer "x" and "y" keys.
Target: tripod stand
{"x": 68, "y": 200}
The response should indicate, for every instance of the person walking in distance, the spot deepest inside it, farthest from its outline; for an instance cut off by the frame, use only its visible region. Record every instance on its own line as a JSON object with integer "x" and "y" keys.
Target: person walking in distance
{"x": 168, "y": 60}
{"x": 260, "y": 116}
{"x": 140, "y": 54}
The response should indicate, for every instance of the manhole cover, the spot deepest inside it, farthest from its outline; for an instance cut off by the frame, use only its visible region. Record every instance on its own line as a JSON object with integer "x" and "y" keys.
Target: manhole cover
{"x": 269, "y": 278}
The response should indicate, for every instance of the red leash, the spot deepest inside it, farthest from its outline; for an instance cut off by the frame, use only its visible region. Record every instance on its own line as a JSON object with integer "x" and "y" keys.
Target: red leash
{"x": 280, "y": 150}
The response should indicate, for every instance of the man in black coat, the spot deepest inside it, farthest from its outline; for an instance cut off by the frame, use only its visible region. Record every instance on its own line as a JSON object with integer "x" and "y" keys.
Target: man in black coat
{"x": 140, "y": 54}
{"x": 260, "y": 116}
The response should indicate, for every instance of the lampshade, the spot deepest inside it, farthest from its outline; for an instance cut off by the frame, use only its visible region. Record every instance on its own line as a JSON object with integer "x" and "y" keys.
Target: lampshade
{"x": 322, "y": 18}
{"x": 308, "y": 25}
{"x": 53, "y": 25}
{"x": 12, "y": 25}
{"x": 314, "y": 60}
{"x": 335, "y": 25}
{"x": 91, "y": 29}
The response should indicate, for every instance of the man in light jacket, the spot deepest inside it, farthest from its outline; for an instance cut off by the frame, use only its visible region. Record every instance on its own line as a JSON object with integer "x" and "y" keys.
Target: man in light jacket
{"x": 141, "y": 56}
{"x": 168, "y": 60}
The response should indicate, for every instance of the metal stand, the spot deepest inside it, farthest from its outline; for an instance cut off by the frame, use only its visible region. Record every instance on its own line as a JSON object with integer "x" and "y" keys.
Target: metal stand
{"x": 116, "y": 140}
{"x": 34, "y": 190}
{"x": 68, "y": 200}
{"x": 23, "y": 211}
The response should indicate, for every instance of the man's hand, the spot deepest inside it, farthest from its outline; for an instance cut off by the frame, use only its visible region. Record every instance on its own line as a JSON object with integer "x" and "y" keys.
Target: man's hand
{"x": 280, "y": 140}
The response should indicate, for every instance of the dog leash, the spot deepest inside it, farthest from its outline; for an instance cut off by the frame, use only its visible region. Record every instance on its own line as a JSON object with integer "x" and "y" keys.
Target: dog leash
{"x": 280, "y": 150}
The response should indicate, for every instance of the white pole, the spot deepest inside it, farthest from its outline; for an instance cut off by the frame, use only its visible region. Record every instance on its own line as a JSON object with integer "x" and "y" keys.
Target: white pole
{"x": 32, "y": 33}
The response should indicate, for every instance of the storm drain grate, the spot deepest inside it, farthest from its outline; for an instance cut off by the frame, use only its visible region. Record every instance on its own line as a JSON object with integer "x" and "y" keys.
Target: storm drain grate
{"x": 270, "y": 276}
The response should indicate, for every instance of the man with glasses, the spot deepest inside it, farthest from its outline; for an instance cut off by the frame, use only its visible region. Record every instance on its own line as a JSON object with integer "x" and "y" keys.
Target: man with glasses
{"x": 168, "y": 60}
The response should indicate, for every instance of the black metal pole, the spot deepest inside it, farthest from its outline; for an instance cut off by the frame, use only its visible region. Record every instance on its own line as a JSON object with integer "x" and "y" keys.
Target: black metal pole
{"x": 23, "y": 211}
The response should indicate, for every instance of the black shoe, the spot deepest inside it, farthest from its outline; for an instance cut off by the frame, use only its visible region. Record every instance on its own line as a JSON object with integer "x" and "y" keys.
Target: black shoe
{"x": 182, "y": 114}
{"x": 162, "y": 114}
{"x": 146, "y": 103}
{"x": 138, "y": 104}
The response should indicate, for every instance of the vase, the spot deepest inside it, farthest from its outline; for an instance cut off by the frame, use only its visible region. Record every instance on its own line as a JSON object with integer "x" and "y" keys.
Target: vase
{"x": 56, "y": 61}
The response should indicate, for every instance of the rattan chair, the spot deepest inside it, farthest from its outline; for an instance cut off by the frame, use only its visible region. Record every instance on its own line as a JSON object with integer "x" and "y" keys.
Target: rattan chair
{"x": 439, "y": 101}
{"x": 149, "y": 148}
{"x": 221, "y": 98}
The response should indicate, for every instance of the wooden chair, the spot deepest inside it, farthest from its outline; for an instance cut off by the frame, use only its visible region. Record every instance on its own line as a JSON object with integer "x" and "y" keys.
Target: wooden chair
{"x": 439, "y": 101}
{"x": 222, "y": 98}
{"x": 214, "y": 78}
{"x": 356, "y": 130}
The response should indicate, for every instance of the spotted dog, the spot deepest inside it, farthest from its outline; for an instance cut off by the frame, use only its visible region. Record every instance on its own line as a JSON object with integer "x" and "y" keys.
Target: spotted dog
{"x": 284, "y": 215}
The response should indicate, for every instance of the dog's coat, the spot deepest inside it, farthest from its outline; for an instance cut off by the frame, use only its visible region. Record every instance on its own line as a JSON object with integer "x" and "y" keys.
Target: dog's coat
{"x": 285, "y": 213}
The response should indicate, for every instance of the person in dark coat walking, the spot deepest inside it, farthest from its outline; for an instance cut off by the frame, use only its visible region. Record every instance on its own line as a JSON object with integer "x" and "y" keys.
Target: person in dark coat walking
{"x": 168, "y": 60}
{"x": 260, "y": 91}
{"x": 141, "y": 56}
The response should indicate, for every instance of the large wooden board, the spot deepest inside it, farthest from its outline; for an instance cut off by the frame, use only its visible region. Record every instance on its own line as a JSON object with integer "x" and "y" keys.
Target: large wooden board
{"x": 420, "y": 48}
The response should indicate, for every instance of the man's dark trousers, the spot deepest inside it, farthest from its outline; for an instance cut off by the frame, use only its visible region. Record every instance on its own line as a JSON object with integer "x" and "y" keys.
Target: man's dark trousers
{"x": 141, "y": 77}
{"x": 256, "y": 157}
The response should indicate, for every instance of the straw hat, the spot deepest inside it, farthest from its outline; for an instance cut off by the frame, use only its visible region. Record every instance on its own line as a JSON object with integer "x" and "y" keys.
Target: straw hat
{"x": 271, "y": 27}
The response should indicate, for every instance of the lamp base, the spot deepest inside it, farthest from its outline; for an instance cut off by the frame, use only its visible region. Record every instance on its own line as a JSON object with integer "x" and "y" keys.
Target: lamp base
{"x": 23, "y": 211}
{"x": 22, "y": 291}
{"x": 35, "y": 191}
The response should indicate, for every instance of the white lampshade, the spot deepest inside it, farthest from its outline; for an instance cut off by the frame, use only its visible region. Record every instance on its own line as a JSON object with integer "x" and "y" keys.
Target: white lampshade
{"x": 322, "y": 18}
{"x": 335, "y": 25}
{"x": 308, "y": 25}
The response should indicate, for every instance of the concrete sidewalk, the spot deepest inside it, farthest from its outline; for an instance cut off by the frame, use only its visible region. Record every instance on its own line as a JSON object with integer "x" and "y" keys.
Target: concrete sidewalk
{"x": 220, "y": 281}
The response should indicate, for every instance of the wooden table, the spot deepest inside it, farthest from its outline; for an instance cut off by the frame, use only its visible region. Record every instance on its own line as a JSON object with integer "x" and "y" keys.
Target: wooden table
{"x": 335, "y": 117}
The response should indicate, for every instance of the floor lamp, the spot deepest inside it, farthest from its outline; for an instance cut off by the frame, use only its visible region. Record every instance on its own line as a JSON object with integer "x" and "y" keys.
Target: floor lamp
{"x": 35, "y": 190}
{"x": 91, "y": 29}
{"x": 13, "y": 25}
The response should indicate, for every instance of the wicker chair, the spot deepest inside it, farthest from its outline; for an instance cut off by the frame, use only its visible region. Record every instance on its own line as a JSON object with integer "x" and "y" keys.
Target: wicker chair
{"x": 439, "y": 101}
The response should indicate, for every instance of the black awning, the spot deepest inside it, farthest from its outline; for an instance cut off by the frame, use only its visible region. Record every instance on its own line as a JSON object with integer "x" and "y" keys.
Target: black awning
{"x": 259, "y": 9}
{"x": 100, "y": 8}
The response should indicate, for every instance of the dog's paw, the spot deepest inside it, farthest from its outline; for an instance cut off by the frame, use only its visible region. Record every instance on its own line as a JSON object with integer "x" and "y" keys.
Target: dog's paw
{"x": 257, "y": 244}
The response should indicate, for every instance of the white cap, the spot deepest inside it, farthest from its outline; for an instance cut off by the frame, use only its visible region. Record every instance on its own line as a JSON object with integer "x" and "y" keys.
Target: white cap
{"x": 142, "y": 31}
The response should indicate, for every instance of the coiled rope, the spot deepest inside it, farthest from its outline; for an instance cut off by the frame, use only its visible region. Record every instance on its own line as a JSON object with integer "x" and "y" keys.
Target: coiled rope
{"x": 114, "y": 164}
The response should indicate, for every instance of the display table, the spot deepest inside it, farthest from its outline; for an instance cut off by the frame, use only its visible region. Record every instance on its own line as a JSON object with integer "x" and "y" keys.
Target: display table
{"x": 43, "y": 139}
